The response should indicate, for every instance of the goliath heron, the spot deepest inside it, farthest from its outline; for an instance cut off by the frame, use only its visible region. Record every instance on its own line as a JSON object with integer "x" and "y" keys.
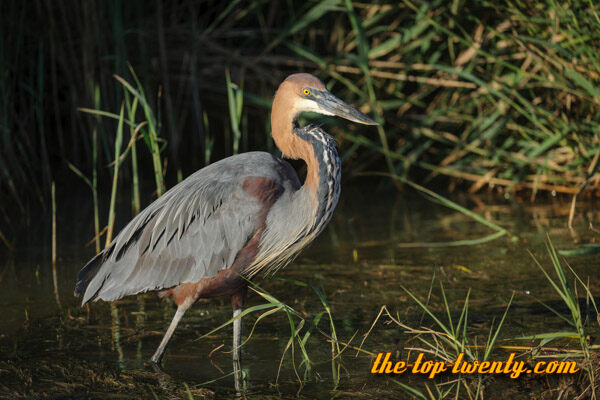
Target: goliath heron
{"x": 232, "y": 219}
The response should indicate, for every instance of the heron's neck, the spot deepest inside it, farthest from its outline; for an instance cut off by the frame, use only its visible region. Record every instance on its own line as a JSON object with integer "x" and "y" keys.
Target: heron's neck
{"x": 317, "y": 149}
{"x": 297, "y": 221}
{"x": 323, "y": 173}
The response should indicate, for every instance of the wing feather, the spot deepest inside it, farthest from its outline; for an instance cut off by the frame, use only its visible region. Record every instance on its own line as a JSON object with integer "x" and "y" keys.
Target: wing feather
{"x": 192, "y": 232}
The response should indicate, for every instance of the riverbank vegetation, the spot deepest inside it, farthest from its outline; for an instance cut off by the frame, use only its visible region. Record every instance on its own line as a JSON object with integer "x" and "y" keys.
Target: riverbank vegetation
{"x": 483, "y": 95}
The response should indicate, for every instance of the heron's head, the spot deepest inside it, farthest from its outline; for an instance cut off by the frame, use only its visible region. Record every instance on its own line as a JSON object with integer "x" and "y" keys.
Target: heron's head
{"x": 305, "y": 92}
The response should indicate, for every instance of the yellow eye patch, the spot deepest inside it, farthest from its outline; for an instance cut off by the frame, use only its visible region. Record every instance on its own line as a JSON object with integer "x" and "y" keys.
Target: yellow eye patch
{"x": 306, "y": 92}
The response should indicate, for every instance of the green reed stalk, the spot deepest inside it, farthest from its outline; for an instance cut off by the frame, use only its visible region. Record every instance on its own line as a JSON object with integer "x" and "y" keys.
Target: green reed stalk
{"x": 568, "y": 294}
{"x": 135, "y": 193}
{"x": 235, "y": 97}
{"x": 362, "y": 62}
{"x": 113, "y": 195}
{"x": 95, "y": 172}
{"x": 152, "y": 131}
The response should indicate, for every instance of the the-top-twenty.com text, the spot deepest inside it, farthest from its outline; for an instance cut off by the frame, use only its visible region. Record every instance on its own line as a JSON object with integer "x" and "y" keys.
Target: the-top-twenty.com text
{"x": 510, "y": 367}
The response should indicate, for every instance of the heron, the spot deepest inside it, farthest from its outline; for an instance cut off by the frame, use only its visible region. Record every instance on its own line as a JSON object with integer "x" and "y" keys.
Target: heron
{"x": 209, "y": 235}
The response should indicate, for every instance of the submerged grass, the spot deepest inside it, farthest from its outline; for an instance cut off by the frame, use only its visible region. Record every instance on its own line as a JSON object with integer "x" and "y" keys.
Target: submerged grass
{"x": 435, "y": 326}
{"x": 580, "y": 321}
{"x": 444, "y": 338}
{"x": 445, "y": 341}
{"x": 298, "y": 336}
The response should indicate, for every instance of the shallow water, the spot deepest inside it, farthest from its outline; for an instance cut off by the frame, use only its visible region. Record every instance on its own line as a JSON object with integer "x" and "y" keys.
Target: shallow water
{"x": 50, "y": 346}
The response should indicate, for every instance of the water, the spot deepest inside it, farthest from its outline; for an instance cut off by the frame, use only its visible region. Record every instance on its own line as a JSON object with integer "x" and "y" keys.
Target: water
{"x": 359, "y": 264}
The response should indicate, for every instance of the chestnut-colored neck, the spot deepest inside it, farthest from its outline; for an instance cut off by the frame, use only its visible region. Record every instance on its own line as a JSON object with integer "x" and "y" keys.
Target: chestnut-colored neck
{"x": 284, "y": 116}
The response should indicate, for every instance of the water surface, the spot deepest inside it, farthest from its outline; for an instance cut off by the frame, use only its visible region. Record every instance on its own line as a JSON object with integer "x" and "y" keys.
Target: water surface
{"x": 49, "y": 346}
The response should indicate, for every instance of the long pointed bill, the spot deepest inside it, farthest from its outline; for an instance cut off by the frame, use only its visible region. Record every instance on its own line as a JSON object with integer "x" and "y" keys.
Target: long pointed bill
{"x": 331, "y": 104}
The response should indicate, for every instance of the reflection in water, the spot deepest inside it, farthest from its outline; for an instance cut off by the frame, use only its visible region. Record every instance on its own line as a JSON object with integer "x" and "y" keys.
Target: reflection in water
{"x": 140, "y": 319}
{"x": 116, "y": 334}
{"x": 356, "y": 263}
{"x": 165, "y": 382}
{"x": 240, "y": 378}
{"x": 55, "y": 284}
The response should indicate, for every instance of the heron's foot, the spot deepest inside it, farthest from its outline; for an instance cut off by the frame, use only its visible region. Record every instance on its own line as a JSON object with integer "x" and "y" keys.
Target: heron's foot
{"x": 240, "y": 379}
{"x": 154, "y": 363}
{"x": 155, "y": 359}
{"x": 156, "y": 367}
{"x": 164, "y": 380}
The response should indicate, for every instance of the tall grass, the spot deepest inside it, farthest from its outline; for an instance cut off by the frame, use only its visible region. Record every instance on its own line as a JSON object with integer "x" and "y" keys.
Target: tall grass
{"x": 444, "y": 334}
{"x": 581, "y": 322}
{"x": 493, "y": 95}
{"x": 301, "y": 328}
{"x": 148, "y": 127}
{"x": 113, "y": 193}
{"x": 445, "y": 340}
{"x": 235, "y": 97}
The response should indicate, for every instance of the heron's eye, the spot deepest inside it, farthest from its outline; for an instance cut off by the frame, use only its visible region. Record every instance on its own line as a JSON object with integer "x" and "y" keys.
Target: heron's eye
{"x": 306, "y": 92}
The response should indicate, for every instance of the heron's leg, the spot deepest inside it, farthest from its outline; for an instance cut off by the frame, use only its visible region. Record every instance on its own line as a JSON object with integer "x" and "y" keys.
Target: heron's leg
{"x": 158, "y": 354}
{"x": 237, "y": 353}
{"x": 237, "y": 303}
{"x": 237, "y": 335}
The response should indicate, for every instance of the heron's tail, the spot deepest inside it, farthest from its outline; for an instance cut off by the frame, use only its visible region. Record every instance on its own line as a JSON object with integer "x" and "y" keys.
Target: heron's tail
{"x": 86, "y": 275}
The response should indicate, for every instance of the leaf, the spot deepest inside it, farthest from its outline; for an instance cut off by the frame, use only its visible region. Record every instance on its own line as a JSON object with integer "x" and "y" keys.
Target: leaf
{"x": 587, "y": 249}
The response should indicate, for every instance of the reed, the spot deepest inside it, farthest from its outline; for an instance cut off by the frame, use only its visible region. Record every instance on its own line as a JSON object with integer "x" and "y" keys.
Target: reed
{"x": 54, "y": 275}
{"x": 235, "y": 97}
{"x": 446, "y": 333}
{"x": 135, "y": 183}
{"x": 117, "y": 162}
{"x": 151, "y": 134}
{"x": 299, "y": 331}
{"x": 94, "y": 183}
{"x": 445, "y": 341}
{"x": 490, "y": 95}
{"x": 580, "y": 322}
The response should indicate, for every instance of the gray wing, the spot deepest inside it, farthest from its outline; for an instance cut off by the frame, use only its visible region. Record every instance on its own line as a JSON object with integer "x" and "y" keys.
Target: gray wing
{"x": 192, "y": 232}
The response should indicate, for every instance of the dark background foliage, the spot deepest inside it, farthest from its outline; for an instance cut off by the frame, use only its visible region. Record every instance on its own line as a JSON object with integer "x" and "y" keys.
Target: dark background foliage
{"x": 500, "y": 94}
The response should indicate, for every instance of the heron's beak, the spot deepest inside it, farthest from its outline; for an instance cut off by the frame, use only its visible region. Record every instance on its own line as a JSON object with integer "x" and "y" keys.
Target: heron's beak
{"x": 334, "y": 106}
